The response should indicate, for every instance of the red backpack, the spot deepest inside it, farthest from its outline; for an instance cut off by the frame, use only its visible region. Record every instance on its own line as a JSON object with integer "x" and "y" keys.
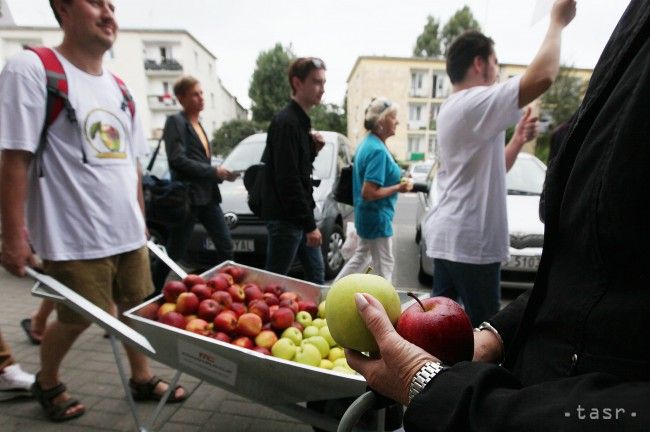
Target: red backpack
{"x": 57, "y": 96}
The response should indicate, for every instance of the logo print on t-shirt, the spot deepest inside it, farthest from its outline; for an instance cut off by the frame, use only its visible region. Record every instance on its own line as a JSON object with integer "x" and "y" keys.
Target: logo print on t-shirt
{"x": 105, "y": 133}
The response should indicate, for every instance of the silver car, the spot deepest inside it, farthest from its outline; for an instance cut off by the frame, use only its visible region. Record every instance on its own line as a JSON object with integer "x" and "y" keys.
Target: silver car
{"x": 524, "y": 181}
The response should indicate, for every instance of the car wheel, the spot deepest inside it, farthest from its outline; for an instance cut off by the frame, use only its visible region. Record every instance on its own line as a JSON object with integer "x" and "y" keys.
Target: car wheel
{"x": 423, "y": 277}
{"x": 332, "y": 255}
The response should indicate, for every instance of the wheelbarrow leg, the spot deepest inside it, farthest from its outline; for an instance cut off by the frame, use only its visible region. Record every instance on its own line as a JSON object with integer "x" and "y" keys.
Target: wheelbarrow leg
{"x": 141, "y": 427}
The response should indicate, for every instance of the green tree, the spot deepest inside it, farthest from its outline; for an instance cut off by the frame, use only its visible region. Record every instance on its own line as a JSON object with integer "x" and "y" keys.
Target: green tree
{"x": 231, "y": 133}
{"x": 428, "y": 43}
{"x": 557, "y": 105}
{"x": 329, "y": 117}
{"x": 460, "y": 22}
{"x": 269, "y": 89}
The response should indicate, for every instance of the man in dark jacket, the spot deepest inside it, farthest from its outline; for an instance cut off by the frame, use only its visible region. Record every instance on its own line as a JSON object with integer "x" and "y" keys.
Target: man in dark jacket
{"x": 189, "y": 154}
{"x": 576, "y": 348}
{"x": 288, "y": 204}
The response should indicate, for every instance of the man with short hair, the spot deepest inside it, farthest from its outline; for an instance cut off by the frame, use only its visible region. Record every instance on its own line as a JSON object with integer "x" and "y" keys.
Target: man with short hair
{"x": 189, "y": 154}
{"x": 79, "y": 202}
{"x": 288, "y": 204}
{"x": 467, "y": 230}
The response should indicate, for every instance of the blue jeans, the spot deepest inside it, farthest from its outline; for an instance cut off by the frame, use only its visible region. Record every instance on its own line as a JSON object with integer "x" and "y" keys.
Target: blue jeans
{"x": 477, "y": 286}
{"x": 179, "y": 235}
{"x": 285, "y": 242}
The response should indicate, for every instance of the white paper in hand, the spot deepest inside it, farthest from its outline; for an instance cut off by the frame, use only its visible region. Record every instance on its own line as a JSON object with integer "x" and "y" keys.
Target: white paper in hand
{"x": 542, "y": 9}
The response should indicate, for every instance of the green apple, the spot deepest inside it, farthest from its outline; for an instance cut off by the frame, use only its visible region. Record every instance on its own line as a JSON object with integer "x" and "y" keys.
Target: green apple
{"x": 336, "y": 353}
{"x": 319, "y": 322}
{"x": 320, "y": 343}
{"x": 341, "y": 362}
{"x": 326, "y": 364}
{"x": 325, "y": 332}
{"x": 310, "y": 331}
{"x": 343, "y": 369}
{"x": 284, "y": 348}
{"x": 293, "y": 334}
{"x": 345, "y": 324}
{"x": 304, "y": 318}
{"x": 321, "y": 309}
{"x": 308, "y": 354}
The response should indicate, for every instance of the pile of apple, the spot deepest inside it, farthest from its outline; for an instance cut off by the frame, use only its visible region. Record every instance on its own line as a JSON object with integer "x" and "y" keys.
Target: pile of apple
{"x": 268, "y": 319}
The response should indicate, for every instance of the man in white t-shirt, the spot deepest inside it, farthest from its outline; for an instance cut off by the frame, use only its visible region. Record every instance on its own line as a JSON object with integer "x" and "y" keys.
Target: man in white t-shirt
{"x": 79, "y": 203}
{"x": 467, "y": 230}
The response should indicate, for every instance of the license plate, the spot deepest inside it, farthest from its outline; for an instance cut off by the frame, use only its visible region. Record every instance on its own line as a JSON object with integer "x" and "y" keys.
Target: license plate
{"x": 523, "y": 262}
{"x": 238, "y": 245}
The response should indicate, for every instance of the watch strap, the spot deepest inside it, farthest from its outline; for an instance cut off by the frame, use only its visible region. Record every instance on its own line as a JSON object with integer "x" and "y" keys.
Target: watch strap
{"x": 426, "y": 373}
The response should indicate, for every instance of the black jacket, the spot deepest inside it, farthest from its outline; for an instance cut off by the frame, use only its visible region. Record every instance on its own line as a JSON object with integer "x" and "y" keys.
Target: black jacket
{"x": 577, "y": 350}
{"x": 289, "y": 154}
{"x": 188, "y": 161}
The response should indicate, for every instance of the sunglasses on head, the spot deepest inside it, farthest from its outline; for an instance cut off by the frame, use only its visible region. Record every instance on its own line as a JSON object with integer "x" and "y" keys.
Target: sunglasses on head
{"x": 317, "y": 63}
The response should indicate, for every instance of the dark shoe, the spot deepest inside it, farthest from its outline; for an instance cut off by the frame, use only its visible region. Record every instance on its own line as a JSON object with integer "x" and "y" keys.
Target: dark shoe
{"x": 146, "y": 391}
{"x": 55, "y": 411}
{"x": 34, "y": 338}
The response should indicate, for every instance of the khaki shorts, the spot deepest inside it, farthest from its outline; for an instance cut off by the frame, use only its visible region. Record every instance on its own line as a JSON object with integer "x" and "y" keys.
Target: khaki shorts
{"x": 123, "y": 279}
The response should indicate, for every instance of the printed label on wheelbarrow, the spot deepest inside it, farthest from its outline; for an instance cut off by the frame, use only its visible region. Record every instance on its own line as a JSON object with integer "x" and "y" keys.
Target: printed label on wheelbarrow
{"x": 204, "y": 362}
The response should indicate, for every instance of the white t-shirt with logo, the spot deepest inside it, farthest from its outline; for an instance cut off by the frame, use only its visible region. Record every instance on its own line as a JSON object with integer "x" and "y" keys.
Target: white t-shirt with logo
{"x": 77, "y": 209}
{"x": 469, "y": 224}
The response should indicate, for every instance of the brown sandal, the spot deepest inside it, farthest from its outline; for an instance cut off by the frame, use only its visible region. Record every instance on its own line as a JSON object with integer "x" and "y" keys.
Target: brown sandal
{"x": 55, "y": 412}
{"x": 146, "y": 391}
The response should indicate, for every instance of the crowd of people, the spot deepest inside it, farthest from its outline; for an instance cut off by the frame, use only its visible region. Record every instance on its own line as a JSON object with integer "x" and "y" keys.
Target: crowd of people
{"x": 550, "y": 352}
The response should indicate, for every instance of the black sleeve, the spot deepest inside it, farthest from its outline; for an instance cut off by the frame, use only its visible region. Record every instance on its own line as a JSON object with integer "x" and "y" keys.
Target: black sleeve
{"x": 289, "y": 180}
{"x": 486, "y": 397}
{"x": 175, "y": 146}
{"x": 507, "y": 320}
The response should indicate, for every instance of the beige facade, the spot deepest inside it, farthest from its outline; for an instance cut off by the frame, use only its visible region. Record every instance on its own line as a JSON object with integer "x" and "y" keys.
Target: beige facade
{"x": 149, "y": 61}
{"x": 418, "y": 86}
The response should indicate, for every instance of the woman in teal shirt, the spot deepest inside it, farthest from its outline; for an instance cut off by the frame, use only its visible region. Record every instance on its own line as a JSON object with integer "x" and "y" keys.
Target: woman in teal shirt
{"x": 375, "y": 185}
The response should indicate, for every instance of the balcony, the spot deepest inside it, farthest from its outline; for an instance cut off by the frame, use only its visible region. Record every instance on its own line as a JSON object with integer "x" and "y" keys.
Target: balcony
{"x": 417, "y": 92}
{"x": 163, "y": 103}
{"x": 166, "y": 67}
{"x": 417, "y": 125}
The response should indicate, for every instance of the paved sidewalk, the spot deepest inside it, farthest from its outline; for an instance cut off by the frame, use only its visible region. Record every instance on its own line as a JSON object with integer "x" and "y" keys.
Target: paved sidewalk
{"x": 91, "y": 375}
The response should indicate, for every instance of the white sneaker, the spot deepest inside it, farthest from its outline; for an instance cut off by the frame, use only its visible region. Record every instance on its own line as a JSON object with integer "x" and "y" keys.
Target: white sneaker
{"x": 15, "y": 382}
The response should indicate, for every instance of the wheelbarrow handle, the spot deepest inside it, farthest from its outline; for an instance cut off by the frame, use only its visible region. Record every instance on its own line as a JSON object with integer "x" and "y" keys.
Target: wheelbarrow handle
{"x": 153, "y": 247}
{"x": 357, "y": 409}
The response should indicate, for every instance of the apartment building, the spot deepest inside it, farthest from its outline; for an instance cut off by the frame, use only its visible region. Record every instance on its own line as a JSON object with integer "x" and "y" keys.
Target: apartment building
{"x": 419, "y": 86}
{"x": 149, "y": 61}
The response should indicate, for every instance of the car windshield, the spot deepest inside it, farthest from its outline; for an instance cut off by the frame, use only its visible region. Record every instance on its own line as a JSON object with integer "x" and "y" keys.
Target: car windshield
{"x": 248, "y": 153}
{"x": 526, "y": 177}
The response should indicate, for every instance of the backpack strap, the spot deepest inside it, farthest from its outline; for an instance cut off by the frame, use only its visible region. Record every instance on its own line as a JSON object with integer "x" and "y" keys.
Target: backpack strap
{"x": 56, "y": 85}
{"x": 127, "y": 99}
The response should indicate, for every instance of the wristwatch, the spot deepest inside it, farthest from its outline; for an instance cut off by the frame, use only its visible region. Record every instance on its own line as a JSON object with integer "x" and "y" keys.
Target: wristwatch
{"x": 423, "y": 376}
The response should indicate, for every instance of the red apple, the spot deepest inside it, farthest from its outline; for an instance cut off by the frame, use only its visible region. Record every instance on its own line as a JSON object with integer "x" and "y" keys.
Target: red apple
{"x": 202, "y": 291}
{"x": 266, "y": 339}
{"x": 223, "y": 298}
{"x": 237, "y": 293}
{"x": 237, "y": 273}
{"x": 259, "y": 307}
{"x": 249, "y": 324}
{"x": 172, "y": 289}
{"x": 244, "y": 342}
{"x": 218, "y": 282}
{"x": 173, "y": 319}
{"x": 192, "y": 279}
{"x": 221, "y": 336}
{"x": 272, "y": 309}
{"x": 208, "y": 309}
{"x": 440, "y": 326}
{"x": 252, "y": 292}
{"x": 309, "y": 306}
{"x": 282, "y": 318}
{"x": 289, "y": 295}
{"x": 227, "y": 277}
{"x": 290, "y": 303}
{"x": 299, "y": 326}
{"x": 187, "y": 303}
{"x": 164, "y": 308}
{"x": 270, "y": 299}
{"x": 273, "y": 289}
{"x": 238, "y": 308}
{"x": 198, "y": 326}
{"x": 225, "y": 322}
{"x": 262, "y": 350}
{"x": 149, "y": 311}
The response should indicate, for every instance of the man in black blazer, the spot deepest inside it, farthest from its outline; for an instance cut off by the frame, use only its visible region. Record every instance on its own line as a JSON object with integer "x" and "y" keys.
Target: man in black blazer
{"x": 188, "y": 154}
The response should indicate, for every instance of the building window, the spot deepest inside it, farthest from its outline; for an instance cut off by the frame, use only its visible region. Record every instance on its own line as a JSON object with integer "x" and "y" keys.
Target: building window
{"x": 165, "y": 87}
{"x": 417, "y": 83}
{"x": 417, "y": 119}
{"x": 163, "y": 53}
{"x": 438, "y": 89}
{"x": 432, "y": 147}
{"x": 414, "y": 142}
{"x": 433, "y": 116}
